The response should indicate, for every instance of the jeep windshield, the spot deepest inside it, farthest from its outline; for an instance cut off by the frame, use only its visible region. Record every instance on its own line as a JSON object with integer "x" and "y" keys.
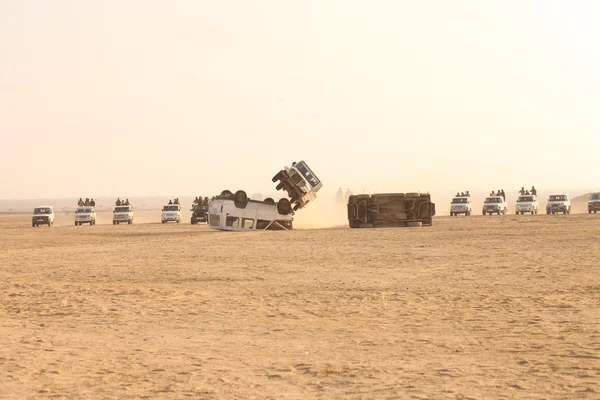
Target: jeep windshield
{"x": 459, "y": 200}
{"x": 83, "y": 211}
{"x": 42, "y": 211}
{"x": 525, "y": 199}
{"x": 558, "y": 198}
{"x": 493, "y": 200}
{"x": 171, "y": 208}
{"x": 595, "y": 196}
{"x": 121, "y": 209}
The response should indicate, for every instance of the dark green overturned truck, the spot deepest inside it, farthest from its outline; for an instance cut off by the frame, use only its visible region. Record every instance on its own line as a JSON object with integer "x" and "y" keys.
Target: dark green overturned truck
{"x": 390, "y": 210}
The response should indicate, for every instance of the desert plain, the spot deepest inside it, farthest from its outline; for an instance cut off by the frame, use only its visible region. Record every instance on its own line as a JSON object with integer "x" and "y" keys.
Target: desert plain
{"x": 473, "y": 307}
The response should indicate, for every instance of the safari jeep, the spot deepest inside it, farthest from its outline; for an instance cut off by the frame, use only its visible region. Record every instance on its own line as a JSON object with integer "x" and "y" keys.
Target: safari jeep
{"x": 42, "y": 215}
{"x": 388, "y": 210}
{"x": 236, "y": 212}
{"x": 461, "y": 205}
{"x": 85, "y": 215}
{"x": 494, "y": 205}
{"x": 299, "y": 182}
{"x": 527, "y": 203}
{"x": 594, "y": 203}
{"x": 123, "y": 214}
{"x": 558, "y": 203}
{"x": 171, "y": 213}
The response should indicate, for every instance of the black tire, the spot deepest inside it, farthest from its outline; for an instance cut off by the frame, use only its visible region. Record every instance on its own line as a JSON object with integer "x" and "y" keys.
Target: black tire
{"x": 240, "y": 200}
{"x": 284, "y": 207}
{"x": 193, "y": 221}
{"x": 227, "y": 195}
{"x": 277, "y": 177}
{"x": 177, "y": 221}
{"x": 130, "y": 222}
{"x": 269, "y": 200}
{"x": 114, "y": 222}
{"x": 451, "y": 214}
{"x": 565, "y": 212}
{"x": 483, "y": 212}
{"x": 163, "y": 221}
{"x": 532, "y": 212}
{"x": 279, "y": 186}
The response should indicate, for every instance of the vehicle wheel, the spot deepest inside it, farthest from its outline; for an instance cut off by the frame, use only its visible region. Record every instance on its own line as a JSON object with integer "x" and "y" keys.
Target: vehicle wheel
{"x": 483, "y": 212}
{"x": 192, "y": 221}
{"x": 565, "y": 212}
{"x": 240, "y": 200}
{"x": 277, "y": 177}
{"x": 532, "y": 212}
{"x": 33, "y": 225}
{"x": 177, "y": 221}
{"x": 279, "y": 186}
{"x": 163, "y": 221}
{"x": 451, "y": 214}
{"x": 49, "y": 224}
{"x": 413, "y": 224}
{"x": 114, "y": 222}
{"x": 130, "y": 222}
{"x": 284, "y": 207}
{"x": 269, "y": 200}
{"x": 296, "y": 207}
{"x": 227, "y": 195}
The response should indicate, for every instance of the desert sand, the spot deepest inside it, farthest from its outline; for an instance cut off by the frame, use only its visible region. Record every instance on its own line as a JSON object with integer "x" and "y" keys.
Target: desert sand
{"x": 477, "y": 307}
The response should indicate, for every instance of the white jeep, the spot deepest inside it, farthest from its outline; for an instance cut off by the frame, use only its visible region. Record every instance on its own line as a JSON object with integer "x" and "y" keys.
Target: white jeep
{"x": 236, "y": 212}
{"x": 594, "y": 203}
{"x": 171, "y": 212}
{"x": 299, "y": 182}
{"x": 494, "y": 204}
{"x": 85, "y": 215}
{"x": 557, "y": 203}
{"x": 461, "y": 205}
{"x": 527, "y": 203}
{"x": 42, "y": 215}
{"x": 123, "y": 213}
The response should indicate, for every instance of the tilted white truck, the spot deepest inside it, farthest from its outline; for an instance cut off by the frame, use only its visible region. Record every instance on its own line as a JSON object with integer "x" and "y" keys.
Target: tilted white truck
{"x": 299, "y": 182}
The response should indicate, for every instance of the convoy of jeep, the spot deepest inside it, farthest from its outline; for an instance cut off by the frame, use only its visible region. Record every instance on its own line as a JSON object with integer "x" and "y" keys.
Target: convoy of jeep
{"x": 390, "y": 210}
{"x": 558, "y": 203}
{"x": 461, "y": 205}
{"x": 85, "y": 215}
{"x": 123, "y": 214}
{"x": 494, "y": 205}
{"x": 42, "y": 215}
{"x": 594, "y": 203}
{"x": 527, "y": 204}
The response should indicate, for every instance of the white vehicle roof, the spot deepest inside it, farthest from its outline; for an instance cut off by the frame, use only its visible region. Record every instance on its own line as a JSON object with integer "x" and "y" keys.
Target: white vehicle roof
{"x": 495, "y": 197}
{"x": 461, "y": 197}
{"x": 45, "y": 207}
{"x": 559, "y": 194}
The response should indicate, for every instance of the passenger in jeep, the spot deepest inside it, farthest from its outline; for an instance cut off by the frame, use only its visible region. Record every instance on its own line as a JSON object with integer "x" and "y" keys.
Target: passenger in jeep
{"x": 118, "y": 202}
{"x": 80, "y": 202}
{"x": 533, "y": 191}
{"x": 92, "y": 203}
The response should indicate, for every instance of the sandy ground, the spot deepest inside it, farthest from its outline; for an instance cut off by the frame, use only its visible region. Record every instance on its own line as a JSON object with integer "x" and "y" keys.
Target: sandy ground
{"x": 477, "y": 307}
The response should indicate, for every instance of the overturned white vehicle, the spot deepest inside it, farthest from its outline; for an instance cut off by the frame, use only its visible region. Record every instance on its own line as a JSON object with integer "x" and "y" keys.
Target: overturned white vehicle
{"x": 236, "y": 212}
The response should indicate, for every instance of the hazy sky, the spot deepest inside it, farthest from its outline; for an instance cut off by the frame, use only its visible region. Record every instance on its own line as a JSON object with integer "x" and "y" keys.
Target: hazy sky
{"x": 146, "y": 97}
